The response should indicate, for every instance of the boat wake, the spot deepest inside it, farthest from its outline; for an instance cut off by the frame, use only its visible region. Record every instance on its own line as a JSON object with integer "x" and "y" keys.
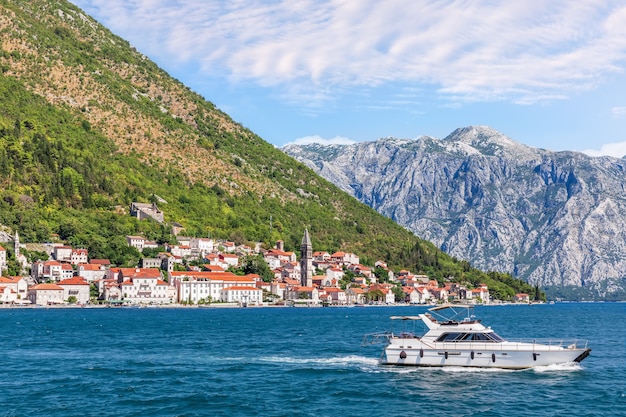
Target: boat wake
{"x": 560, "y": 367}
{"x": 335, "y": 361}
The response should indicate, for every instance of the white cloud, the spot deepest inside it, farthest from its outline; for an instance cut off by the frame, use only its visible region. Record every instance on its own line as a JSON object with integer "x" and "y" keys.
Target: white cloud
{"x": 618, "y": 112}
{"x": 616, "y": 149}
{"x": 307, "y": 140}
{"x": 523, "y": 51}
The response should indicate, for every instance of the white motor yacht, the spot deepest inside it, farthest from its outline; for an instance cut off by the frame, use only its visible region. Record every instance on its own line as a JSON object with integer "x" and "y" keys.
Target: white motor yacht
{"x": 468, "y": 343}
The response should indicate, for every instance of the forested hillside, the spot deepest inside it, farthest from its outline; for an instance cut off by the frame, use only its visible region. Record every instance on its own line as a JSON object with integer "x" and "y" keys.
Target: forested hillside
{"x": 88, "y": 125}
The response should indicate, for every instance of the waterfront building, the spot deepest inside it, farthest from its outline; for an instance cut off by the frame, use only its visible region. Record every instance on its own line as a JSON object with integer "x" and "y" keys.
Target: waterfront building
{"x": 76, "y": 287}
{"x": 244, "y": 295}
{"x": 45, "y": 294}
{"x": 17, "y": 286}
{"x": 202, "y": 286}
{"x": 144, "y": 286}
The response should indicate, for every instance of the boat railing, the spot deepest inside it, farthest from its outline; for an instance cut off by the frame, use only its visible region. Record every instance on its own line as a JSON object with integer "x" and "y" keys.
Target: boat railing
{"x": 555, "y": 343}
{"x": 376, "y": 338}
{"x": 517, "y": 345}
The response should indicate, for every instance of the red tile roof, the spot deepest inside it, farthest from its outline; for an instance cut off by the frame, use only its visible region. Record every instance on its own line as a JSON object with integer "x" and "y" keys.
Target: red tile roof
{"x": 46, "y": 287}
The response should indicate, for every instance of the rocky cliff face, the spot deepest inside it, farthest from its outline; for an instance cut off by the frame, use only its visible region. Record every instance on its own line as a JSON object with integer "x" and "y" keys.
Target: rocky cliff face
{"x": 551, "y": 218}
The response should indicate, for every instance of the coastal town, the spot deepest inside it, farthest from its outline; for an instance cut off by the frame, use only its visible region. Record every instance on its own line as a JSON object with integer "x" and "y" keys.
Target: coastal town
{"x": 70, "y": 277}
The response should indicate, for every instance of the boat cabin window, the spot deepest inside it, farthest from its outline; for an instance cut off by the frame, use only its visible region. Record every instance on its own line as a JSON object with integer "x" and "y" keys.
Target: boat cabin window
{"x": 469, "y": 337}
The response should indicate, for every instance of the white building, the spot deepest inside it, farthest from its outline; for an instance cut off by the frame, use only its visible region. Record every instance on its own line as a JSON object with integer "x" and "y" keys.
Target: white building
{"x": 242, "y": 294}
{"x": 144, "y": 286}
{"x": 302, "y": 294}
{"x": 44, "y": 294}
{"x": 136, "y": 242}
{"x": 79, "y": 256}
{"x": 335, "y": 273}
{"x": 76, "y": 287}
{"x": 47, "y": 271}
{"x": 229, "y": 259}
{"x": 201, "y": 246}
{"x": 62, "y": 253}
{"x": 7, "y": 295}
{"x": 195, "y": 286}
{"x": 17, "y": 285}
{"x": 91, "y": 272}
{"x": 335, "y": 295}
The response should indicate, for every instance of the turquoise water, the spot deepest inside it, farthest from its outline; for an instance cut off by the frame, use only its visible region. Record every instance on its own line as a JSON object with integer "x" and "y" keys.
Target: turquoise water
{"x": 290, "y": 362}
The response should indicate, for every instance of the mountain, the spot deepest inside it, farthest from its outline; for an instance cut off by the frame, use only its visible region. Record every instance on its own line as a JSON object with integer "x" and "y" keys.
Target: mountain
{"x": 88, "y": 125}
{"x": 555, "y": 219}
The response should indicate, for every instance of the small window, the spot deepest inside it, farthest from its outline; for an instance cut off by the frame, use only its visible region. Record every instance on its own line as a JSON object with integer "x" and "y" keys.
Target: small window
{"x": 495, "y": 337}
{"x": 449, "y": 337}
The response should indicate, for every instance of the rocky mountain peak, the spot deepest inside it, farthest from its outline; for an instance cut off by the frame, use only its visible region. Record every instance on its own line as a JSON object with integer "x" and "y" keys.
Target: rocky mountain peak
{"x": 556, "y": 219}
{"x": 489, "y": 142}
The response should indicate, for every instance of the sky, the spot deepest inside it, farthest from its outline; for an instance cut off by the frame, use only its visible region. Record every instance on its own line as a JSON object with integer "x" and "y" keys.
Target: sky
{"x": 548, "y": 74}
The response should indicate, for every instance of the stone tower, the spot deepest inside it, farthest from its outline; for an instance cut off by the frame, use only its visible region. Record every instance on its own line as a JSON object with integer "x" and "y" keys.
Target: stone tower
{"x": 16, "y": 245}
{"x": 306, "y": 261}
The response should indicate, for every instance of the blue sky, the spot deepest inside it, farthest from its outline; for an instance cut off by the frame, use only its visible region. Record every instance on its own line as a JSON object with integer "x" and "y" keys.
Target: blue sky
{"x": 549, "y": 74}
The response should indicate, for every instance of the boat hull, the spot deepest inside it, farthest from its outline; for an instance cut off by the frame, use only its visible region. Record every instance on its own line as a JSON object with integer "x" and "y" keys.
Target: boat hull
{"x": 502, "y": 356}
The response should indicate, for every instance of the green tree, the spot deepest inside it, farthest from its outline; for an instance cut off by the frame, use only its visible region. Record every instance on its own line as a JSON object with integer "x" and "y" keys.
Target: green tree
{"x": 255, "y": 264}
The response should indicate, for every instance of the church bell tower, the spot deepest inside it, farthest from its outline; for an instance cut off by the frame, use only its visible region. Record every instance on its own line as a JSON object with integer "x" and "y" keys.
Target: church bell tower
{"x": 306, "y": 261}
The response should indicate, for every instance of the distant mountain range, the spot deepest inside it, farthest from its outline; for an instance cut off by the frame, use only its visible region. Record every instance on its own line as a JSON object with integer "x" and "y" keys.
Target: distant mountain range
{"x": 556, "y": 219}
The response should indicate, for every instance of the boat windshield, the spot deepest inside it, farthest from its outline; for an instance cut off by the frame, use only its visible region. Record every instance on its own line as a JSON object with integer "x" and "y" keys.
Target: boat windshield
{"x": 469, "y": 337}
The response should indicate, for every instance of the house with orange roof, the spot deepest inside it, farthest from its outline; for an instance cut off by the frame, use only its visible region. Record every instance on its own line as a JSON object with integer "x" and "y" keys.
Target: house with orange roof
{"x": 108, "y": 289}
{"x": 144, "y": 286}
{"x": 321, "y": 256}
{"x": 227, "y": 246}
{"x": 344, "y": 258}
{"x": 182, "y": 251}
{"x": 275, "y": 258}
{"x": 90, "y": 272}
{"x": 50, "y": 271}
{"x": 335, "y": 273}
{"x": 67, "y": 271}
{"x": 104, "y": 262}
{"x": 425, "y": 295}
{"x": 76, "y": 287}
{"x": 17, "y": 284}
{"x": 411, "y": 295}
{"x": 79, "y": 256}
{"x": 136, "y": 242}
{"x": 7, "y": 295}
{"x": 228, "y": 259}
{"x": 521, "y": 298}
{"x": 264, "y": 286}
{"x": 355, "y": 295}
{"x": 278, "y": 288}
{"x": 439, "y": 293}
{"x": 385, "y": 289}
{"x": 212, "y": 268}
{"x": 201, "y": 246}
{"x": 335, "y": 295}
{"x": 244, "y": 295}
{"x": 325, "y": 281}
{"x": 192, "y": 287}
{"x": 300, "y": 294}
{"x": 46, "y": 294}
{"x": 360, "y": 280}
{"x": 380, "y": 264}
{"x": 291, "y": 270}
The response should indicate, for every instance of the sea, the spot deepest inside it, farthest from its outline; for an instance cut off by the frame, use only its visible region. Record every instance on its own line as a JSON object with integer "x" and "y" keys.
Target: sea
{"x": 294, "y": 361}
